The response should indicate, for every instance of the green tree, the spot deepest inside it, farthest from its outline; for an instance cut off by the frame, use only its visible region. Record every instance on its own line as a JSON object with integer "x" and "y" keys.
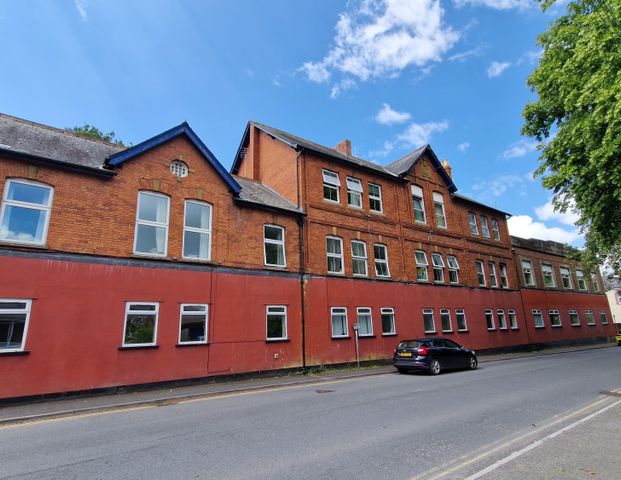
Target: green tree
{"x": 577, "y": 117}
{"x": 90, "y": 131}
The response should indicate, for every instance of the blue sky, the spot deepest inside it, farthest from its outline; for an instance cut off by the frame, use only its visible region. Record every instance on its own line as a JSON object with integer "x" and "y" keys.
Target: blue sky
{"x": 389, "y": 75}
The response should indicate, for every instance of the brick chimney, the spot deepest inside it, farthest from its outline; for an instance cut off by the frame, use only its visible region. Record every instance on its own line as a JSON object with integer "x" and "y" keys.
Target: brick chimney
{"x": 447, "y": 167}
{"x": 344, "y": 147}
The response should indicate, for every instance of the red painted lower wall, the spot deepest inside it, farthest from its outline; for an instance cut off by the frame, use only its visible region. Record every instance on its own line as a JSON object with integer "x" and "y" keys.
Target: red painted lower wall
{"x": 77, "y": 318}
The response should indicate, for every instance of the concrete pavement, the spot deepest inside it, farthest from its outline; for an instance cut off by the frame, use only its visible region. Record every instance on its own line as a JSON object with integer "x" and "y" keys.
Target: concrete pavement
{"x": 85, "y": 404}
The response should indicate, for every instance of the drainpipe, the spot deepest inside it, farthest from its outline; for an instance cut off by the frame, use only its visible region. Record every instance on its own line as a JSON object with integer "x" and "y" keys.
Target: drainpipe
{"x": 301, "y": 260}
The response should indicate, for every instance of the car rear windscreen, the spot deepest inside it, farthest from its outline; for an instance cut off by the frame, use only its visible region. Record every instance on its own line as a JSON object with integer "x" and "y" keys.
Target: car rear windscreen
{"x": 410, "y": 344}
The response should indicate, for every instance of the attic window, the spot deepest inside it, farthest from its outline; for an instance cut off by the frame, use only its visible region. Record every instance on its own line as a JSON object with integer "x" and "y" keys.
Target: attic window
{"x": 179, "y": 169}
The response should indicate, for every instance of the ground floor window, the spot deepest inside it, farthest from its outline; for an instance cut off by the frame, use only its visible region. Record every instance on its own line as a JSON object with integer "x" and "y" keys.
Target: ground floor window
{"x": 339, "y": 321}
{"x": 140, "y": 324}
{"x": 193, "y": 324}
{"x": 14, "y": 315}
{"x": 538, "y": 319}
{"x": 428, "y": 321}
{"x": 512, "y": 319}
{"x": 445, "y": 319}
{"x": 276, "y": 322}
{"x": 502, "y": 320}
{"x": 555, "y": 318}
{"x": 590, "y": 318}
{"x": 365, "y": 323}
{"x": 489, "y": 319}
{"x": 460, "y": 317}
{"x": 603, "y": 318}
{"x": 388, "y": 321}
{"x": 574, "y": 319}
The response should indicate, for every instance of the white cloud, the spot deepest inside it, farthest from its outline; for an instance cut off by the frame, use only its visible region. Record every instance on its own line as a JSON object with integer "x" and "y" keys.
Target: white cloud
{"x": 497, "y": 186}
{"x": 386, "y": 149}
{"x": 380, "y": 38}
{"x": 519, "y": 149}
{"x": 496, "y": 68}
{"x": 418, "y": 134}
{"x": 463, "y": 147}
{"x": 80, "y": 5}
{"x": 388, "y": 116}
{"x": 498, "y": 4}
{"x": 526, "y": 227}
{"x": 342, "y": 86}
{"x": 531, "y": 57}
{"x": 463, "y": 56}
{"x": 547, "y": 212}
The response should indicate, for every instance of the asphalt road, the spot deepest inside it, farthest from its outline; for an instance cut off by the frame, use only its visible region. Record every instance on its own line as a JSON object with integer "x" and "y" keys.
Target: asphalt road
{"x": 458, "y": 425}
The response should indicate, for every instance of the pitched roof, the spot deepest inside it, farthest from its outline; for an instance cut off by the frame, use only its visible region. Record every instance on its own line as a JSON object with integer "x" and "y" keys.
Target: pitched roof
{"x": 402, "y": 166}
{"x": 182, "y": 129}
{"x": 25, "y": 138}
{"x": 479, "y": 204}
{"x": 258, "y": 193}
{"x": 299, "y": 142}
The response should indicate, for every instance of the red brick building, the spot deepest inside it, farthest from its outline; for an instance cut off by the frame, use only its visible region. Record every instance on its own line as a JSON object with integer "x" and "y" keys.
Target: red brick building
{"x": 153, "y": 263}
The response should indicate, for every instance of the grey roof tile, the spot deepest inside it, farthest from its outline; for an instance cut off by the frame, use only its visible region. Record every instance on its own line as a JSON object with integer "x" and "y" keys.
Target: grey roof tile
{"x": 404, "y": 164}
{"x": 259, "y": 193}
{"x": 29, "y": 138}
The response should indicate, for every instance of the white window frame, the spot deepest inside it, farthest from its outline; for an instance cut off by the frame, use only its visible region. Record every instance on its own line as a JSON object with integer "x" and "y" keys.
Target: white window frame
{"x": 429, "y": 311}
{"x": 420, "y": 265}
{"x": 513, "y": 323}
{"x": 595, "y": 282}
{"x": 495, "y": 229}
{"x": 144, "y": 312}
{"x": 438, "y": 201}
{"x": 582, "y": 286}
{"x": 552, "y": 314}
{"x": 13, "y": 311}
{"x": 489, "y": 315}
{"x": 388, "y": 311}
{"x": 603, "y": 317}
{"x": 527, "y": 271}
{"x": 202, "y": 231}
{"x": 438, "y": 266}
{"x": 461, "y": 312}
{"x": 493, "y": 279}
{"x": 383, "y": 261}
{"x": 472, "y": 221}
{"x": 485, "y": 227}
{"x": 504, "y": 276}
{"x": 480, "y": 269}
{"x": 152, "y": 224}
{"x": 547, "y": 268}
{"x": 280, "y": 243}
{"x": 364, "y": 311}
{"x": 27, "y": 205}
{"x": 502, "y": 319}
{"x": 339, "y": 311}
{"x": 588, "y": 315}
{"x": 453, "y": 269}
{"x": 355, "y": 258}
{"x": 377, "y": 198}
{"x": 566, "y": 275}
{"x": 445, "y": 313}
{"x": 538, "y": 313}
{"x": 193, "y": 313}
{"x": 354, "y": 191}
{"x": 417, "y": 192}
{"x": 332, "y": 181}
{"x": 573, "y": 314}
{"x": 335, "y": 255}
{"x": 276, "y": 310}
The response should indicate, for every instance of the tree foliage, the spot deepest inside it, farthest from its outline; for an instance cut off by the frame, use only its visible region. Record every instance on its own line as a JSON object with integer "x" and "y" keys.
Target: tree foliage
{"x": 577, "y": 117}
{"x": 92, "y": 132}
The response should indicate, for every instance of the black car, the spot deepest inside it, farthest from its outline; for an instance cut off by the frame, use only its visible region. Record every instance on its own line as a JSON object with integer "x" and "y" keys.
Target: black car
{"x": 433, "y": 354}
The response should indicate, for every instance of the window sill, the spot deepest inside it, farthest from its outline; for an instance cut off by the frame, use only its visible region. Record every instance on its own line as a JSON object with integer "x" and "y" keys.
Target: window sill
{"x": 24, "y": 244}
{"x": 336, "y": 274}
{"x": 590, "y": 325}
{"x": 491, "y": 329}
{"x": 389, "y": 334}
{"x": 504, "y": 328}
{"x": 347, "y": 337}
{"x": 277, "y": 340}
{"x": 463, "y": 331}
{"x": 515, "y": 328}
{"x": 359, "y": 275}
{"x": 139, "y": 347}
{"x": 332, "y": 202}
{"x": 354, "y": 207}
{"x": 14, "y": 353}
{"x": 556, "y": 326}
{"x": 277, "y": 268}
{"x": 185, "y": 345}
{"x": 366, "y": 336}
{"x": 150, "y": 256}
{"x": 541, "y": 326}
{"x": 430, "y": 331}
{"x": 375, "y": 212}
{"x": 575, "y": 325}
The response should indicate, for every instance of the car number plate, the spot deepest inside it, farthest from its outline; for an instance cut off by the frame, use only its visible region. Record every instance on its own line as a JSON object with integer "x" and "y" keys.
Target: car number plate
{"x": 405, "y": 354}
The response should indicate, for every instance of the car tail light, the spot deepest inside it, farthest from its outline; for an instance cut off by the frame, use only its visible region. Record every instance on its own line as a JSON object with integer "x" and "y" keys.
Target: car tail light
{"x": 422, "y": 350}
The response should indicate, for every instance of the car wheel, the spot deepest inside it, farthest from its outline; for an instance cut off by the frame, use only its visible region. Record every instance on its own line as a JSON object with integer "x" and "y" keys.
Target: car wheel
{"x": 402, "y": 370}
{"x": 434, "y": 367}
{"x": 473, "y": 363}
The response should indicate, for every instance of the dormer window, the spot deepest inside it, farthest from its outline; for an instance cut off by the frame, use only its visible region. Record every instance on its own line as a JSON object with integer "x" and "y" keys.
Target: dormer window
{"x": 331, "y": 184}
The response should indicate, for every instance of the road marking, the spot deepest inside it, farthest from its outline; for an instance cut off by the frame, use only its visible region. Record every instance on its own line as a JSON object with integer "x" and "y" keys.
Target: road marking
{"x": 536, "y": 444}
{"x": 467, "y": 459}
